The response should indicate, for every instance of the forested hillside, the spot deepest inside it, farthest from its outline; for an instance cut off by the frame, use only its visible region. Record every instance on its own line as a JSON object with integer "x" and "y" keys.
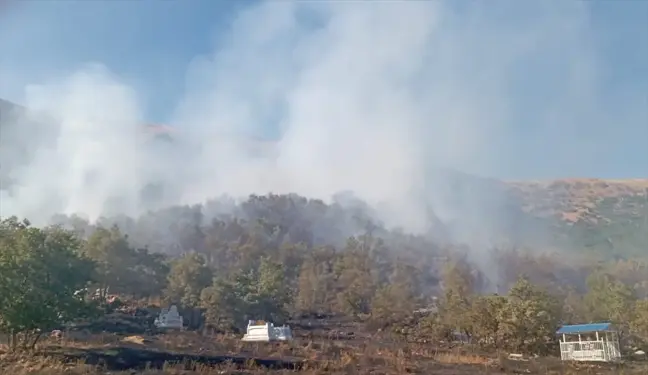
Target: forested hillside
{"x": 278, "y": 257}
{"x": 288, "y": 258}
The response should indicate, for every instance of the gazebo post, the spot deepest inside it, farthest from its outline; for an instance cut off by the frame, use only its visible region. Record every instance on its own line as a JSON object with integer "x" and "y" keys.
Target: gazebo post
{"x": 606, "y": 346}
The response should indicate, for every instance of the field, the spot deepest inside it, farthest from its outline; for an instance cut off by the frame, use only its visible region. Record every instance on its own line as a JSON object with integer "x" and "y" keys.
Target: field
{"x": 325, "y": 349}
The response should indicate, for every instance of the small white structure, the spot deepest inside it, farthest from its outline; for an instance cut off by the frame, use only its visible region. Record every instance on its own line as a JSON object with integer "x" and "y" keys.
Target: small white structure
{"x": 589, "y": 342}
{"x": 263, "y": 331}
{"x": 169, "y": 319}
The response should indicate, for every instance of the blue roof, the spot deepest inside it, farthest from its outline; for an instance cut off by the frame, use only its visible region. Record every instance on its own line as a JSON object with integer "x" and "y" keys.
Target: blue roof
{"x": 585, "y": 328}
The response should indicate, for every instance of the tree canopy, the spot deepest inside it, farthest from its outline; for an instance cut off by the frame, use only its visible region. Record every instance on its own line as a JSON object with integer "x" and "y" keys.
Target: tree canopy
{"x": 279, "y": 257}
{"x": 41, "y": 271}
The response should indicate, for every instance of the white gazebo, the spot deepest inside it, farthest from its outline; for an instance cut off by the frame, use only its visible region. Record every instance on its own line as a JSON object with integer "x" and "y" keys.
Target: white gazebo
{"x": 589, "y": 342}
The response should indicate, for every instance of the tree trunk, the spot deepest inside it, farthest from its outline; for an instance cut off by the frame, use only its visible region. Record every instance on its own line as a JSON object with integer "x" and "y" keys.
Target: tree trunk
{"x": 13, "y": 339}
{"x": 36, "y": 338}
{"x": 24, "y": 344}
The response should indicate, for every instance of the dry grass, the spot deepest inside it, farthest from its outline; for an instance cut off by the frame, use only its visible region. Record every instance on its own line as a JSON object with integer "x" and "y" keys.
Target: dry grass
{"x": 574, "y": 199}
{"x": 319, "y": 356}
{"x": 463, "y": 358}
{"x": 580, "y": 189}
{"x": 637, "y": 185}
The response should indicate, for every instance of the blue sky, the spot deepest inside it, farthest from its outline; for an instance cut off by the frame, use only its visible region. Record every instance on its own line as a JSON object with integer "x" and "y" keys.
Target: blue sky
{"x": 159, "y": 38}
{"x": 576, "y": 105}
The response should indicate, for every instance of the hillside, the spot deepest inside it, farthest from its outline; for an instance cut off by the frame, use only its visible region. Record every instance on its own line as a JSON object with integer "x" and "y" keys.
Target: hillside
{"x": 593, "y": 201}
{"x": 609, "y": 216}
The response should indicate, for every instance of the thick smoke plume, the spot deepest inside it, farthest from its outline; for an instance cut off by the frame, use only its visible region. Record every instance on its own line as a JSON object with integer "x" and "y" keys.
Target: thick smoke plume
{"x": 375, "y": 98}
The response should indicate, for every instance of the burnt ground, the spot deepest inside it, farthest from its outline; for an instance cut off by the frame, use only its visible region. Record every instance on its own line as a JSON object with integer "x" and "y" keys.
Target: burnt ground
{"x": 322, "y": 347}
{"x": 129, "y": 358}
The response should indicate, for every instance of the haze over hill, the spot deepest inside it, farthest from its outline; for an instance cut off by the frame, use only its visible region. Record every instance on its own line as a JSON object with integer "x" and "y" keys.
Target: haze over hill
{"x": 609, "y": 216}
{"x": 388, "y": 101}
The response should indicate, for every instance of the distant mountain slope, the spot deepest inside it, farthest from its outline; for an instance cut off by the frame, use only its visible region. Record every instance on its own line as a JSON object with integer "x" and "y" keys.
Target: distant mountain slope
{"x": 608, "y": 216}
{"x": 593, "y": 201}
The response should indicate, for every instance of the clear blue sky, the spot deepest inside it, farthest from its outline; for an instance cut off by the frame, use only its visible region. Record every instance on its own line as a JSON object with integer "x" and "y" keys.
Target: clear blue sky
{"x": 152, "y": 45}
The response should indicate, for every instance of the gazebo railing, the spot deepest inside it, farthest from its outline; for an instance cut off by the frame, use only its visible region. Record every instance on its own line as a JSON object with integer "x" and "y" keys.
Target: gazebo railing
{"x": 589, "y": 350}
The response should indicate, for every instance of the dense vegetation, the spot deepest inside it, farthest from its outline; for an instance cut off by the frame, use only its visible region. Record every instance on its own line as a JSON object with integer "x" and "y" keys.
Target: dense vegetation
{"x": 278, "y": 257}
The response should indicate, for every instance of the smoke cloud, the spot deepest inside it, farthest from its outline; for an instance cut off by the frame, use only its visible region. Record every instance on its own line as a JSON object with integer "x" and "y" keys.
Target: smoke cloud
{"x": 320, "y": 97}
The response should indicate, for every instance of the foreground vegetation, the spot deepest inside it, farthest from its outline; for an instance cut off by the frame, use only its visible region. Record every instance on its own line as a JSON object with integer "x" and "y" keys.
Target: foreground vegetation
{"x": 407, "y": 299}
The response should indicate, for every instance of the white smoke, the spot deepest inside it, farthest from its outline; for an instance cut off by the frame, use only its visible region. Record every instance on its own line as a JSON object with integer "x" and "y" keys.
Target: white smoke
{"x": 370, "y": 100}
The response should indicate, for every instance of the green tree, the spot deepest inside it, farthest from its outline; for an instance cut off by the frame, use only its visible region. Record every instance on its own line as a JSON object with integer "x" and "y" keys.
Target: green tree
{"x": 485, "y": 319}
{"x": 396, "y": 301}
{"x": 574, "y": 308}
{"x": 530, "y": 318}
{"x": 114, "y": 257}
{"x": 458, "y": 284}
{"x": 253, "y": 294}
{"x": 40, "y": 272}
{"x": 187, "y": 278}
{"x": 435, "y": 327}
{"x": 356, "y": 281}
{"x": 122, "y": 269}
{"x": 274, "y": 296}
{"x": 608, "y": 299}
{"x": 639, "y": 324}
{"x": 225, "y": 304}
{"x": 151, "y": 271}
{"x": 316, "y": 282}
